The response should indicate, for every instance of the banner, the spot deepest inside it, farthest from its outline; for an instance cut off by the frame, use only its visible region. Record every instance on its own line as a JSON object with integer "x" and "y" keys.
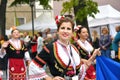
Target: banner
{"x": 107, "y": 69}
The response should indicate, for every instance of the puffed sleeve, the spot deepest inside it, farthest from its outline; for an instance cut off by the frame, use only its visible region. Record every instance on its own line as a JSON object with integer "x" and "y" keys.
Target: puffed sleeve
{"x": 82, "y": 73}
{"x": 2, "y": 53}
{"x": 27, "y": 55}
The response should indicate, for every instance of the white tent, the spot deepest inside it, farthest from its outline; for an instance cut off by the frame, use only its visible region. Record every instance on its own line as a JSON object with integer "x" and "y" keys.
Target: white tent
{"x": 45, "y": 20}
{"x": 107, "y": 15}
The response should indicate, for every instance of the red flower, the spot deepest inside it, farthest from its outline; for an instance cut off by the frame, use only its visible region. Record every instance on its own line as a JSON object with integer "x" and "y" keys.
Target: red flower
{"x": 70, "y": 73}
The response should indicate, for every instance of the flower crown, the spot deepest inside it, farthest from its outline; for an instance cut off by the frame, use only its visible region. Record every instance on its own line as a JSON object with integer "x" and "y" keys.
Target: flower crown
{"x": 58, "y": 18}
{"x": 77, "y": 27}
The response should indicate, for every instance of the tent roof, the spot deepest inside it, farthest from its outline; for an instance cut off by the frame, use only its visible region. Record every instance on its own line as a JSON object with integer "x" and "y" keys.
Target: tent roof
{"x": 45, "y": 20}
{"x": 107, "y": 15}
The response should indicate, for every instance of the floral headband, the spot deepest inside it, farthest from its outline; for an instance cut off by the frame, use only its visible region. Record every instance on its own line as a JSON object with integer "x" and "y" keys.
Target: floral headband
{"x": 57, "y": 19}
{"x": 77, "y": 27}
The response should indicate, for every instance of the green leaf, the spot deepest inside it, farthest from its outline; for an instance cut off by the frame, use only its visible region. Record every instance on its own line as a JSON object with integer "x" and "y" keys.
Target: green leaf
{"x": 86, "y": 8}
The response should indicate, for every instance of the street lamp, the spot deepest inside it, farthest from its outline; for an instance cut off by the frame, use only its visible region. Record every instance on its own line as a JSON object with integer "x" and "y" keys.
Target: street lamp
{"x": 32, "y": 3}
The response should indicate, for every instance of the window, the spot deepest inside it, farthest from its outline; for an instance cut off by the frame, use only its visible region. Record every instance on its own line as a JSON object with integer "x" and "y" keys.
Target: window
{"x": 19, "y": 21}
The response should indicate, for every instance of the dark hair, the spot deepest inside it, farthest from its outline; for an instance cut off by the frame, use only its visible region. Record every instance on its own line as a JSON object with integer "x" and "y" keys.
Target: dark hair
{"x": 65, "y": 19}
{"x": 118, "y": 27}
{"x": 6, "y": 38}
{"x": 40, "y": 34}
{"x": 79, "y": 31}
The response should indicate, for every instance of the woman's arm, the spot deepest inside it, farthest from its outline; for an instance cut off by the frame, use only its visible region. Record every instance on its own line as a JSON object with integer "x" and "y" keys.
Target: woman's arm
{"x": 2, "y": 50}
{"x": 92, "y": 58}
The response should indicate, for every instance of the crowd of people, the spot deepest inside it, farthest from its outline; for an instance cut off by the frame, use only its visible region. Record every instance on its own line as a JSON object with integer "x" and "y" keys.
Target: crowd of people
{"x": 67, "y": 60}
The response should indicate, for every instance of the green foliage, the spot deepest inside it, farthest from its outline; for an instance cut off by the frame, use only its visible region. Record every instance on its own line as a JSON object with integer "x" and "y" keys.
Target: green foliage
{"x": 44, "y": 3}
{"x": 68, "y": 6}
{"x": 15, "y": 2}
{"x": 86, "y": 8}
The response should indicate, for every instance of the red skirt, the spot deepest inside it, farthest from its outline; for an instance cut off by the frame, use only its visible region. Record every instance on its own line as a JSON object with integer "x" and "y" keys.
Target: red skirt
{"x": 90, "y": 73}
{"x": 17, "y": 69}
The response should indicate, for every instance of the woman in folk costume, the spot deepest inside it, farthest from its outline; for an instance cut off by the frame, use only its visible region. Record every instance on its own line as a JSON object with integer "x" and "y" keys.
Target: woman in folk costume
{"x": 61, "y": 57}
{"x": 17, "y": 53}
{"x": 85, "y": 49}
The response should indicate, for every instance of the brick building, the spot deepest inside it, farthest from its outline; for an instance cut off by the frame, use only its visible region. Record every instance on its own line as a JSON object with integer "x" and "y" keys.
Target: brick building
{"x": 17, "y": 15}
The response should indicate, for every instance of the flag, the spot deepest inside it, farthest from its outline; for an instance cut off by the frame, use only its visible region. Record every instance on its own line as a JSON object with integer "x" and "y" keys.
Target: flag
{"x": 107, "y": 69}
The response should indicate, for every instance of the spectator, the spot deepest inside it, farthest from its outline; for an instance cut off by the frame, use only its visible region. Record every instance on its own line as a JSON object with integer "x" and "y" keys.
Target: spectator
{"x": 27, "y": 39}
{"x": 39, "y": 42}
{"x": 115, "y": 42}
{"x": 95, "y": 39}
{"x": 48, "y": 39}
{"x": 105, "y": 42}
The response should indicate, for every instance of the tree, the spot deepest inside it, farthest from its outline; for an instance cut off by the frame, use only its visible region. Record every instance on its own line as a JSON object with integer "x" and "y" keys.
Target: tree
{"x": 82, "y": 9}
{"x": 2, "y": 17}
{"x": 3, "y": 5}
{"x": 44, "y": 3}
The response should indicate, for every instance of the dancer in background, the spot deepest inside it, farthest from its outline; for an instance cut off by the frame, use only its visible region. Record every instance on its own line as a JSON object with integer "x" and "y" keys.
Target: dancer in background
{"x": 86, "y": 50}
{"x": 34, "y": 46}
{"x": 17, "y": 56}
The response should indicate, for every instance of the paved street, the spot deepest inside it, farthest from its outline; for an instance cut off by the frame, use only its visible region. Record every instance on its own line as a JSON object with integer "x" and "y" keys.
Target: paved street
{"x": 4, "y": 76}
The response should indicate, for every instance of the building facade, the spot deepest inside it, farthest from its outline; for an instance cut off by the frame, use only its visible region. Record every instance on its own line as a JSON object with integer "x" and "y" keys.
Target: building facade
{"x": 17, "y": 15}
{"x": 21, "y": 14}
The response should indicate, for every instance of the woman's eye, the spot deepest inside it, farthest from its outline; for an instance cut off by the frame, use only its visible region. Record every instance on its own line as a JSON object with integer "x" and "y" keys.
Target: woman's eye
{"x": 68, "y": 28}
{"x": 62, "y": 27}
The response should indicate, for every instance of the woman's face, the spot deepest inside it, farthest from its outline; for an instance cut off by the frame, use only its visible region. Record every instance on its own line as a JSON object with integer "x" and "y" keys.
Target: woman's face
{"x": 104, "y": 31}
{"x": 65, "y": 31}
{"x": 84, "y": 33}
{"x": 117, "y": 28}
{"x": 16, "y": 34}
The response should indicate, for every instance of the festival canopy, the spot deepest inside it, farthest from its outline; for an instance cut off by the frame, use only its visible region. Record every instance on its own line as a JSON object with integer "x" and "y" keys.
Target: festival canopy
{"x": 107, "y": 15}
{"x": 45, "y": 20}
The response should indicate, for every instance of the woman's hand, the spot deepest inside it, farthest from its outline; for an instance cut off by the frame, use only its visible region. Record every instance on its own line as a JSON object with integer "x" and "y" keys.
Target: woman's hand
{"x": 96, "y": 52}
{"x": 58, "y": 78}
{"x": 103, "y": 47}
{"x": 54, "y": 78}
{"x": 92, "y": 58}
{"x": 5, "y": 44}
